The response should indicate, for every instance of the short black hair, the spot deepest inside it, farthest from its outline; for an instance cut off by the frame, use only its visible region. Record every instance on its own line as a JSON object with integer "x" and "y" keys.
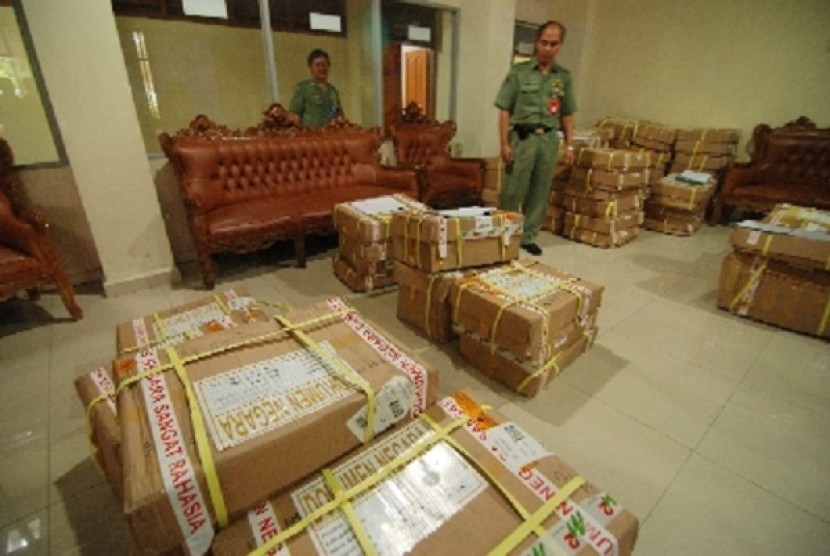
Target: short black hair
{"x": 551, "y": 23}
{"x": 318, "y": 53}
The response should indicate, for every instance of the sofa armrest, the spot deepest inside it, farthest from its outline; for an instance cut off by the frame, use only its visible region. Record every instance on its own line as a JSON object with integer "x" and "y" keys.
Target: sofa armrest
{"x": 739, "y": 174}
{"x": 404, "y": 180}
{"x": 470, "y": 168}
{"x": 23, "y": 234}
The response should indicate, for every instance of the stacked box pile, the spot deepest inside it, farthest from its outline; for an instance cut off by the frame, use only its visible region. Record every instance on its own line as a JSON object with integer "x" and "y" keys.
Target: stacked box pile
{"x": 493, "y": 177}
{"x": 96, "y": 389}
{"x": 523, "y": 323}
{"x": 214, "y": 425}
{"x": 618, "y": 131}
{"x": 436, "y": 249}
{"x": 677, "y": 204}
{"x": 655, "y": 141}
{"x": 603, "y": 200}
{"x": 704, "y": 150}
{"x": 364, "y": 260}
{"x": 422, "y": 488}
{"x": 554, "y": 218}
{"x": 779, "y": 271}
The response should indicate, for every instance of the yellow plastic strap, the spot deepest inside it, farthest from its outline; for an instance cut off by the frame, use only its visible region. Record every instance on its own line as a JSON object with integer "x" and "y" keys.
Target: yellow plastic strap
{"x": 501, "y": 224}
{"x": 594, "y": 238}
{"x": 406, "y": 236}
{"x": 160, "y": 325}
{"x": 535, "y": 521}
{"x": 418, "y": 242}
{"x": 703, "y": 134}
{"x": 349, "y": 512}
{"x": 703, "y": 160}
{"x": 541, "y": 371}
{"x": 694, "y": 149}
{"x": 824, "y": 318}
{"x": 459, "y": 240}
{"x": 497, "y": 320}
{"x": 432, "y": 279}
{"x": 588, "y": 175}
{"x": 380, "y": 475}
{"x": 457, "y": 304}
{"x": 827, "y": 264}
{"x": 767, "y": 243}
{"x": 342, "y": 370}
{"x": 754, "y": 277}
{"x": 692, "y": 200}
{"x": 611, "y": 208}
{"x": 221, "y": 302}
{"x": 577, "y": 219}
{"x": 202, "y": 442}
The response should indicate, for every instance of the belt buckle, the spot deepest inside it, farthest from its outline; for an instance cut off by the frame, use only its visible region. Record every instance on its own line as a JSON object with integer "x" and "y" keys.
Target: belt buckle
{"x": 539, "y": 131}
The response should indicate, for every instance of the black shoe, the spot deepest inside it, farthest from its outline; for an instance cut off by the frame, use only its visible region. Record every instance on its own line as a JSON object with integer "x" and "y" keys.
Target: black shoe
{"x": 532, "y": 248}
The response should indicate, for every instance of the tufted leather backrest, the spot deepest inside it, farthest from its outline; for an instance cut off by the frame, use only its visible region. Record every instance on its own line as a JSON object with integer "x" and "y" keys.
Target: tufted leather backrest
{"x": 420, "y": 145}
{"x": 216, "y": 172}
{"x": 792, "y": 154}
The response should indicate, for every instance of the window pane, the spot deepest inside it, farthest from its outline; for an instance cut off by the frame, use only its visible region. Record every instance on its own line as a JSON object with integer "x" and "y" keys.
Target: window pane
{"x": 23, "y": 120}
{"x": 179, "y": 69}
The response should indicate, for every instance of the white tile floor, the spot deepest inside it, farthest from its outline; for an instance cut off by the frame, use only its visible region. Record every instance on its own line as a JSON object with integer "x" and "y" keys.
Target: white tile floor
{"x": 712, "y": 429}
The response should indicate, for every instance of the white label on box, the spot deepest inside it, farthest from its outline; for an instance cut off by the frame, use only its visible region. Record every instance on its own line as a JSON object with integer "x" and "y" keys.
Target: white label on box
{"x": 389, "y": 351}
{"x": 442, "y": 238}
{"x": 249, "y": 401}
{"x": 240, "y": 303}
{"x": 754, "y": 237}
{"x": 176, "y": 470}
{"x": 102, "y": 381}
{"x": 265, "y": 525}
{"x": 142, "y": 338}
{"x": 378, "y": 206}
{"x": 404, "y": 509}
{"x": 393, "y": 402}
{"x": 519, "y": 285}
{"x": 517, "y": 448}
{"x": 595, "y": 535}
{"x": 189, "y": 322}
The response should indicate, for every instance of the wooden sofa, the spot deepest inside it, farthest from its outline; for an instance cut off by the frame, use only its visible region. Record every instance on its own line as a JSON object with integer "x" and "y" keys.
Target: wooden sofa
{"x": 245, "y": 190}
{"x": 790, "y": 164}
{"x": 422, "y": 144}
{"x": 28, "y": 257}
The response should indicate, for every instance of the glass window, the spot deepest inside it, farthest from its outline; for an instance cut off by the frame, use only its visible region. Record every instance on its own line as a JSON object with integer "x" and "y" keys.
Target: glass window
{"x": 23, "y": 119}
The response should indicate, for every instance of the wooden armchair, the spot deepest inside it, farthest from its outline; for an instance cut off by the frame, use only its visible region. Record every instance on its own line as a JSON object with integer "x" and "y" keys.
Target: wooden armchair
{"x": 422, "y": 144}
{"x": 28, "y": 258}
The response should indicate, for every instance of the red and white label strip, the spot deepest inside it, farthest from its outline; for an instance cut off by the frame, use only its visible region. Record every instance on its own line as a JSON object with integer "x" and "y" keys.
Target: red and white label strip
{"x": 102, "y": 381}
{"x": 265, "y": 526}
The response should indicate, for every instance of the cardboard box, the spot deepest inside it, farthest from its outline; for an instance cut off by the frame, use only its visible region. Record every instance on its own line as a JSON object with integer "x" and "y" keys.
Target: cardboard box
{"x": 362, "y": 280}
{"x": 699, "y": 163}
{"x": 669, "y": 192}
{"x": 414, "y": 494}
{"x": 611, "y": 159}
{"x": 797, "y": 217}
{"x": 775, "y": 292}
{"x": 451, "y": 239}
{"x": 709, "y": 135}
{"x": 704, "y": 147}
{"x": 492, "y": 174}
{"x": 672, "y": 221}
{"x": 612, "y": 180}
{"x": 522, "y": 377}
{"x": 489, "y": 198}
{"x": 603, "y": 195}
{"x": 208, "y": 314}
{"x": 277, "y": 403}
{"x": 655, "y": 133}
{"x": 553, "y": 219}
{"x": 518, "y": 307}
{"x": 652, "y": 145}
{"x": 367, "y": 221}
{"x": 802, "y": 247}
{"x": 367, "y": 258}
{"x": 620, "y": 130}
{"x": 610, "y": 208}
{"x": 602, "y": 224}
{"x": 105, "y": 433}
{"x": 423, "y": 300}
{"x": 597, "y": 239}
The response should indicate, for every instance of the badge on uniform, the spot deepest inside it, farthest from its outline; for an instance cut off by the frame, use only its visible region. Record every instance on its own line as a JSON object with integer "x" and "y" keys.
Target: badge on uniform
{"x": 553, "y": 105}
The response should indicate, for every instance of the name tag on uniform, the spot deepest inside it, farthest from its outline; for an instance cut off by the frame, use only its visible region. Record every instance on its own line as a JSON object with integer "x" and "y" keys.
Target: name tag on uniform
{"x": 553, "y": 105}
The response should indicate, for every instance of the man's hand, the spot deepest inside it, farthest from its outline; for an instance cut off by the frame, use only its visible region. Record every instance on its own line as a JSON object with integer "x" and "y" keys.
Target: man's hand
{"x": 507, "y": 154}
{"x": 569, "y": 158}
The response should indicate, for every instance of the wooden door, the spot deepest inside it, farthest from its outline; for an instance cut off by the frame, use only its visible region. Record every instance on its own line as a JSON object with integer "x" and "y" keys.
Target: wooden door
{"x": 392, "y": 106}
{"x": 416, "y": 66}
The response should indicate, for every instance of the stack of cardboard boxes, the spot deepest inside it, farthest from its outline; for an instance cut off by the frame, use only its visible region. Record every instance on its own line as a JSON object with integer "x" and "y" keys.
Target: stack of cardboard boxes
{"x": 704, "y": 150}
{"x": 603, "y": 199}
{"x": 364, "y": 260}
{"x": 678, "y": 202}
{"x": 779, "y": 271}
{"x": 316, "y": 432}
{"x": 493, "y": 177}
{"x": 435, "y": 249}
{"x": 554, "y": 219}
{"x": 618, "y": 131}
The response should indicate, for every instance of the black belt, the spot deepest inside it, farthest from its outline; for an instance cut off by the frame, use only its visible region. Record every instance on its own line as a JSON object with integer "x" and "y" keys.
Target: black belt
{"x": 524, "y": 130}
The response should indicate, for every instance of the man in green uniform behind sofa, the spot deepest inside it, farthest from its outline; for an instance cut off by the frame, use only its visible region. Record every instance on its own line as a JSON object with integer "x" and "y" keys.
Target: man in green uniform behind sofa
{"x": 316, "y": 101}
{"x": 535, "y": 100}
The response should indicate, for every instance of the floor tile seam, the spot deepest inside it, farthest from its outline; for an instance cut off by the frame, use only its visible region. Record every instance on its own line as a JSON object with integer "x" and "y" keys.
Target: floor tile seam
{"x": 26, "y": 516}
{"x": 632, "y": 417}
{"x": 761, "y": 486}
{"x": 784, "y": 400}
{"x": 673, "y": 480}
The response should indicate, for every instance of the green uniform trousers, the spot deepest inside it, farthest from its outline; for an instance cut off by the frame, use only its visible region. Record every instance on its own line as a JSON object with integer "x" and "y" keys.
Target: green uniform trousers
{"x": 526, "y": 184}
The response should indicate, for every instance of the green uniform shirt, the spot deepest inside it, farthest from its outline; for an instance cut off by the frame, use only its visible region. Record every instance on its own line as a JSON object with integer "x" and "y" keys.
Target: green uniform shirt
{"x": 527, "y": 94}
{"x": 315, "y": 106}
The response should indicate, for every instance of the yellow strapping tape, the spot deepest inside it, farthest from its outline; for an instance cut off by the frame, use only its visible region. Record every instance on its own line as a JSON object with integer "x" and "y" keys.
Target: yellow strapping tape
{"x": 824, "y": 318}
{"x": 588, "y": 175}
{"x": 535, "y": 521}
{"x": 432, "y": 279}
{"x": 540, "y": 371}
{"x": 703, "y": 160}
{"x": 160, "y": 325}
{"x": 380, "y": 475}
{"x": 349, "y": 512}
{"x": 767, "y": 244}
{"x": 343, "y": 370}
{"x": 221, "y": 302}
{"x": 692, "y": 199}
{"x": 202, "y": 442}
{"x": 499, "y": 313}
{"x": 754, "y": 277}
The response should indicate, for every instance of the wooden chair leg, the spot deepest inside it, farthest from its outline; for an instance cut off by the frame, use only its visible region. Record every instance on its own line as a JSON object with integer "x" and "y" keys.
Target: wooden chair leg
{"x": 66, "y": 291}
{"x": 206, "y": 264}
{"x": 33, "y": 293}
{"x": 299, "y": 249}
{"x": 714, "y": 218}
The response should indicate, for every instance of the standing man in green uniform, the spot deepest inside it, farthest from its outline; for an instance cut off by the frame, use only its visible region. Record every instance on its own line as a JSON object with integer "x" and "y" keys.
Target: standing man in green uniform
{"x": 315, "y": 100}
{"x": 535, "y": 100}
